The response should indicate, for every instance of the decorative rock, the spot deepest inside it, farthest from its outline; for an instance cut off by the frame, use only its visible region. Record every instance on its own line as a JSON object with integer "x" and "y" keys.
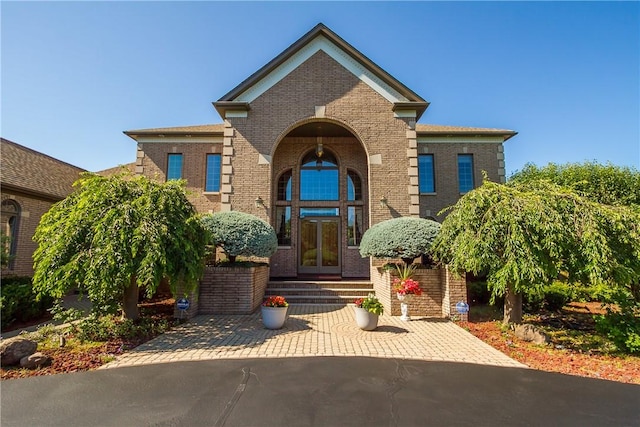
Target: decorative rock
{"x": 14, "y": 349}
{"x": 35, "y": 360}
{"x": 528, "y": 332}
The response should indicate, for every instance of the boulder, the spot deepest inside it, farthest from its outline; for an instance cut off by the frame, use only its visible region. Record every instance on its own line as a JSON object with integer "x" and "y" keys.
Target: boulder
{"x": 35, "y": 360}
{"x": 14, "y": 349}
{"x": 529, "y": 332}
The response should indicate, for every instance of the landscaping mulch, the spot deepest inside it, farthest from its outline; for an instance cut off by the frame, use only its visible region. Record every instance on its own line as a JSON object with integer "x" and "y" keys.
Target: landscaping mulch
{"x": 562, "y": 355}
{"x": 89, "y": 357}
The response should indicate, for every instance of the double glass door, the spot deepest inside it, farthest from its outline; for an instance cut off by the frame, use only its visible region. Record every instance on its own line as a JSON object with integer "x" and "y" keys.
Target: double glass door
{"x": 319, "y": 245}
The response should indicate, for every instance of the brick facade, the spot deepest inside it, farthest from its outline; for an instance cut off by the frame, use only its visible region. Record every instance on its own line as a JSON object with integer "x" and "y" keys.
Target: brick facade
{"x": 272, "y": 119}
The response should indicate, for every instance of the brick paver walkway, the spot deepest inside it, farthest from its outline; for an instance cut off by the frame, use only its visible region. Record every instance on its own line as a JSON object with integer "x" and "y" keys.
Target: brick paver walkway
{"x": 314, "y": 330}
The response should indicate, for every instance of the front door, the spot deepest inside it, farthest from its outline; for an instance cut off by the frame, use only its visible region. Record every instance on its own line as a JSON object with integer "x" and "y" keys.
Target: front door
{"x": 319, "y": 245}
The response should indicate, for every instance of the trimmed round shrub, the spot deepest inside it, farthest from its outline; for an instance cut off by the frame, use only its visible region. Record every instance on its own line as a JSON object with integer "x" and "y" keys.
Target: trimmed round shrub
{"x": 239, "y": 233}
{"x": 404, "y": 237}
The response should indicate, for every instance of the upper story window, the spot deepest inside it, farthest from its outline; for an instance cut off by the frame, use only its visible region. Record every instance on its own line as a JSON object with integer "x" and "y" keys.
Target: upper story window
{"x": 212, "y": 180}
{"x": 284, "y": 186}
{"x": 465, "y": 172}
{"x": 354, "y": 186}
{"x": 174, "y": 166}
{"x": 426, "y": 180}
{"x": 319, "y": 177}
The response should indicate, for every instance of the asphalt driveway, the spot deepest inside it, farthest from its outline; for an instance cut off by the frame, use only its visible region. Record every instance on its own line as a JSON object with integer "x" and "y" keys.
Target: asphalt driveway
{"x": 318, "y": 391}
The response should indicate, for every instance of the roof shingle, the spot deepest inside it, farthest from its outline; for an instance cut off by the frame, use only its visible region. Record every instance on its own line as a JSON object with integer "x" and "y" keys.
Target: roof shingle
{"x": 35, "y": 172}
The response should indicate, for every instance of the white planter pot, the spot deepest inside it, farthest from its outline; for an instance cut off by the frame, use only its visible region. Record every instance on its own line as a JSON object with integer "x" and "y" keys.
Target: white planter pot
{"x": 404, "y": 306}
{"x": 366, "y": 320}
{"x": 273, "y": 317}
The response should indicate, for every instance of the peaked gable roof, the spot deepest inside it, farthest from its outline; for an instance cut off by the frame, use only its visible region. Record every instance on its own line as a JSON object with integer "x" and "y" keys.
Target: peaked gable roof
{"x": 322, "y": 38}
{"x": 30, "y": 171}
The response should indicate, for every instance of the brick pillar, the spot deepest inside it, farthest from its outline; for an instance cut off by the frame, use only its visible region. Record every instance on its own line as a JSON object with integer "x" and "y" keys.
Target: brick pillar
{"x": 454, "y": 290}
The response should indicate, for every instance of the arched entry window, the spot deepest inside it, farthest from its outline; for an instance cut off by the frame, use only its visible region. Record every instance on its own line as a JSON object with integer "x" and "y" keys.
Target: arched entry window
{"x": 283, "y": 209}
{"x": 10, "y": 226}
{"x": 319, "y": 177}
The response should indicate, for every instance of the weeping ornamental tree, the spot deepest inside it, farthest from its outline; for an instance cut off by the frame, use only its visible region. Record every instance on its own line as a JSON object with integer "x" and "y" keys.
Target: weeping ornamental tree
{"x": 404, "y": 237}
{"x": 114, "y": 235}
{"x": 524, "y": 235}
{"x": 239, "y": 233}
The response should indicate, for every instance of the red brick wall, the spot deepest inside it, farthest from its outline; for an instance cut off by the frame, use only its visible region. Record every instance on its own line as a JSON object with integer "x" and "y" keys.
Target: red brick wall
{"x": 232, "y": 290}
{"x": 31, "y": 210}
{"x": 445, "y": 156}
{"x": 194, "y": 157}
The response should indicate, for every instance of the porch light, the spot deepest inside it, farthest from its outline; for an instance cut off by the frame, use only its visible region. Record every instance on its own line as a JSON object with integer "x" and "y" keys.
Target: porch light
{"x": 383, "y": 202}
{"x": 259, "y": 202}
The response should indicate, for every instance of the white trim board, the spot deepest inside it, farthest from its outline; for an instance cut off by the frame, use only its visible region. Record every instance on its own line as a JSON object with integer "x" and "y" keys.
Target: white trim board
{"x": 459, "y": 139}
{"x": 320, "y": 43}
{"x": 180, "y": 139}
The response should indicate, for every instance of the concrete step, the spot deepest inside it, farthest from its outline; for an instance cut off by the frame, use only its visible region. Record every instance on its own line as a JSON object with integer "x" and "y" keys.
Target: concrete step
{"x": 320, "y": 292}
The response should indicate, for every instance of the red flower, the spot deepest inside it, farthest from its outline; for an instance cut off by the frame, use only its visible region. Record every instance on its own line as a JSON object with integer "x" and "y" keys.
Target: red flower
{"x": 407, "y": 287}
{"x": 275, "y": 301}
{"x": 359, "y": 302}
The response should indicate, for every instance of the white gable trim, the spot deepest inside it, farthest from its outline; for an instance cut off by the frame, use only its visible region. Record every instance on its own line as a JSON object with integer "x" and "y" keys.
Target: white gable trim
{"x": 320, "y": 43}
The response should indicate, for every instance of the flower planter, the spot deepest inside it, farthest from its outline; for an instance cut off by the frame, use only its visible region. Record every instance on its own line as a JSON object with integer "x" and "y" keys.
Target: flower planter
{"x": 273, "y": 317}
{"x": 404, "y": 305}
{"x": 365, "y": 320}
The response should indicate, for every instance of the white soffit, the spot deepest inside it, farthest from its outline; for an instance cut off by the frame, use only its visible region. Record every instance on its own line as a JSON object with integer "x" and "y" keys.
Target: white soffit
{"x": 175, "y": 139}
{"x": 459, "y": 139}
{"x": 320, "y": 43}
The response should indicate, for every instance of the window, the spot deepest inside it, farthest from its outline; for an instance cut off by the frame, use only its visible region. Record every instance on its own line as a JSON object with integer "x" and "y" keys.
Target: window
{"x": 354, "y": 186}
{"x": 10, "y": 226}
{"x": 426, "y": 179}
{"x": 174, "y": 166}
{"x": 319, "y": 177}
{"x": 465, "y": 172}
{"x": 284, "y": 186}
{"x": 283, "y": 225}
{"x": 212, "y": 180}
{"x": 354, "y": 225}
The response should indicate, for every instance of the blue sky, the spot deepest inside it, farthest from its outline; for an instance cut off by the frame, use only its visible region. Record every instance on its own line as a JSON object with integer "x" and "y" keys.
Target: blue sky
{"x": 566, "y": 76}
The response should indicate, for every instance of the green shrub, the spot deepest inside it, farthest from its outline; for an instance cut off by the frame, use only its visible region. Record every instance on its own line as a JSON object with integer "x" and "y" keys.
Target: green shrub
{"x": 404, "y": 237}
{"x": 105, "y": 328}
{"x": 478, "y": 293}
{"x": 533, "y": 300}
{"x": 557, "y": 295}
{"x": 238, "y": 233}
{"x": 550, "y": 297}
{"x": 621, "y": 325}
{"x": 18, "y": 301}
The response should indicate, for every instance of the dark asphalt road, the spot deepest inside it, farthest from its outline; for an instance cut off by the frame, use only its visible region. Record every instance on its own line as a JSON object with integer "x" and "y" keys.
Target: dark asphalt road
{"x": 318, "y": 392}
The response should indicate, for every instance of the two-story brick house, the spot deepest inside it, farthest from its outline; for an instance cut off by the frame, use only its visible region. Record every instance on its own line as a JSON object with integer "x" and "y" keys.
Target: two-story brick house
{"x": 322, "y": 143}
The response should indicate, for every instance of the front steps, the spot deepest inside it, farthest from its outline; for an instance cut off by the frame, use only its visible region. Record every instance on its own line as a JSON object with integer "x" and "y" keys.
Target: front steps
{"x": 319, "y": 292}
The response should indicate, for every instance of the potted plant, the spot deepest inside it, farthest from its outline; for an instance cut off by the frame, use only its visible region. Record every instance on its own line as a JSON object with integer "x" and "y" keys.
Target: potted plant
{"x": 405, "y": 288}
{"x": 274, "y": 312}
{"x": 367, "y": 311}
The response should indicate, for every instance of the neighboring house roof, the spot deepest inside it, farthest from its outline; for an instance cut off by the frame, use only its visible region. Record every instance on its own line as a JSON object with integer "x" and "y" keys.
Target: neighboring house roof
{"x": 129, "y": 167}
{"x": 32, "y": 172}
{"x": 430, "y": 129}
{"x": 360, "y": 65}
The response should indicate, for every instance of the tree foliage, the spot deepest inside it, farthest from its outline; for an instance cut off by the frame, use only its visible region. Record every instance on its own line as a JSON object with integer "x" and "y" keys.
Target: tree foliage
{"x": 525, "y": 234}
{"x": 404, "y": 237}
{"x": 608, "y": 184}
{"x": 239, "y": 233}
{"x": 115, "y": 234}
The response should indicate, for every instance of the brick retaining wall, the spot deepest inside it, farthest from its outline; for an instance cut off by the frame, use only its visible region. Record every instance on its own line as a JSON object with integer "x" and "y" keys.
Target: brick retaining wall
{"x": 440, "y": 292}
{"x": 232, "y": 290}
